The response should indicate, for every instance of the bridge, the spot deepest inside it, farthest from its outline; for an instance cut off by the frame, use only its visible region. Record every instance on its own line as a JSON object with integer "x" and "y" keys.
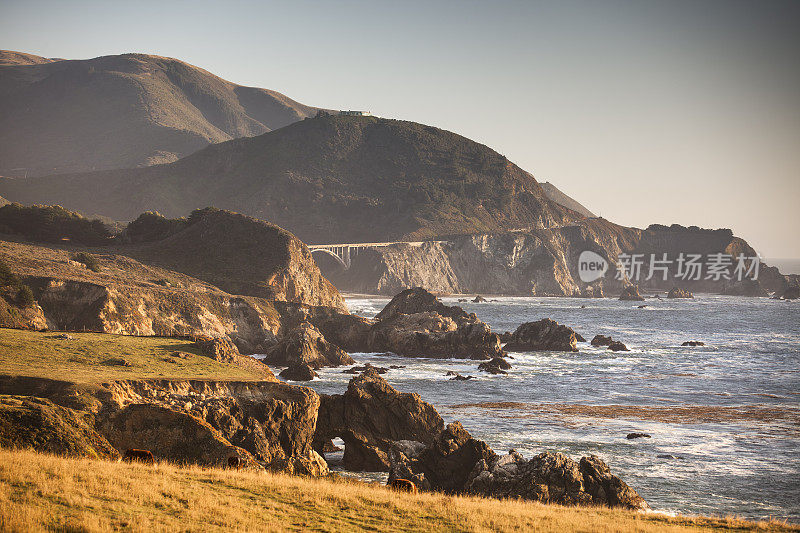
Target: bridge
{"x": 343, "y": 252}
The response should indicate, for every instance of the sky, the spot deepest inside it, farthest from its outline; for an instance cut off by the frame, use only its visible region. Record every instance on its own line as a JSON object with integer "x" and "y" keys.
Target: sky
{"x": 646, "y": 112}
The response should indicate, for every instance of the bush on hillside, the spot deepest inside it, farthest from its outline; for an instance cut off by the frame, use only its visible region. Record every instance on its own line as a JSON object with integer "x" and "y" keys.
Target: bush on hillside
{"x": 152, "y": 226}
{"x": 87, "y": 259}
{"x": 25, "y": 297}
{"x": 52, "y": 224}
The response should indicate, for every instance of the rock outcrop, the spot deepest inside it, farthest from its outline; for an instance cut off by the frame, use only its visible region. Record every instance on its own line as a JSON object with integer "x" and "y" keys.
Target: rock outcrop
{"x": 792, "y": 293}
{"x": 305, "y": 345}
{"x": 676, "y": 292}
{"x": 416, "y": 324}
{"x": 458, "y": 463}
{"x": 617, "y": 346}
{"x": 369, "y": 417}
{"x": 631, "y": 293}
{"x": 29, "y": 422}
{"x": 601, "y": 340}
{"x": 545, "y": 335}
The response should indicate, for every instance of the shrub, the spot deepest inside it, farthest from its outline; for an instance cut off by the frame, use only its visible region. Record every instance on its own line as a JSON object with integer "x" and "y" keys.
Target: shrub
{"x": 25, "y": 297}
{"x": 52, "y": 224}
{"x": 87, "y": 259}
{"x": 7, "y": 278}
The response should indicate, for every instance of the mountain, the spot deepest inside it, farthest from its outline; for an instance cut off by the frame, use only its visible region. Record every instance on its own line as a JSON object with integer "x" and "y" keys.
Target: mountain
{"x": 562, "y": 199}
{"x": 326, "y": 179}
{"x": 122, "y": 111}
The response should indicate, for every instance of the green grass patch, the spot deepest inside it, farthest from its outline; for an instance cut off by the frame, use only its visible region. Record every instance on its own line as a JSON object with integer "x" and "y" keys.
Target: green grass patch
{"x": 95, "y": 357}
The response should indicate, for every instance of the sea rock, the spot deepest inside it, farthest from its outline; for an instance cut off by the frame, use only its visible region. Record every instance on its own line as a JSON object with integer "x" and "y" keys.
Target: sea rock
{"x": 617, "y": 346}
{"x": 693, "y": 343}
{"x": 457, "y": 463}
{"x": 459, "y": 377}
{"x": 631, "y": 292}
{"x": 497, "y": 365}
{"x": 631, "y": 436}
{"x": 369, "y": 417}
{"x": 506, "y": 336}
{"x": 601, "y": 340}
{"x": 360, "y": 369}
{"x": 305, "y": 345}
{"x": 416, "y": 324}
{"x": 544, "y": 335}
{"x": 676, "y": 292}
{"x": 298, "y": 372}
{"x": 478, "y": 299}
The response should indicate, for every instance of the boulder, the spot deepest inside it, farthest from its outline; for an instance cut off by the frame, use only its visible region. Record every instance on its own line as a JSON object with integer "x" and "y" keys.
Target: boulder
{"x": 218, "y": 348}
{"x": 606, "y": 488}
{"x": 675, "y": 292}
{"x": 497, "y": 365}
{"x": 631, "y": 293}
{"x": 631, "y": 436}
{"x": 601, "y": 340}
{"x": 305, "y": 345}
{"x": 369, "y": 417}
{"x": 478, "y": 299}
{"x": 693, "y": 343}
{"x": 617, "y": 346}
{"x": 544, "y": 335}
{"x": 459, "y": 377}
{"x": 298, "y": 372}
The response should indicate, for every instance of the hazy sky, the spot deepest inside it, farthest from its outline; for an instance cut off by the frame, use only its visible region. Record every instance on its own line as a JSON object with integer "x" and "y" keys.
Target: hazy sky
{"x": 645, "y": 112}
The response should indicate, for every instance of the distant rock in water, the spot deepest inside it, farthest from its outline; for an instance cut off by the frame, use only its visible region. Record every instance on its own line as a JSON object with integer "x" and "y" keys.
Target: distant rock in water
{"x": 601, "y": 340}
{"x": 617, "y": 346}
{"x": 365, "y": 368}
{"x": 478, "y": 299}
{"x": 497, "y": 365}
{"x": 545, "y": 335}
{"x": 631, "y": 436}
{"x": 631, "y": 293}
{"x": 792, "y": 293}
{"x": 693, "y": 343}
{"x": 676, "y": 292}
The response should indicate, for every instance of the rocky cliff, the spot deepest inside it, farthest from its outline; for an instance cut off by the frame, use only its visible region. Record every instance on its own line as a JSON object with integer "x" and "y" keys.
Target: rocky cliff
{"x": 545, "y": 262}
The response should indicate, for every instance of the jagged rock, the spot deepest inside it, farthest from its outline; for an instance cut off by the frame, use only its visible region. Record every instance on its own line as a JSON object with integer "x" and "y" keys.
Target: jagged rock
{"x": 631, "y": 293}
{"x": 497, "y": 365}
{"x": 37, "y": 423}
{"x": 459, "y": 377}
{"x": 631, "y": 436}
{"x": 360, "y": 369}
{"x": 617, "y": 346}
{"x": 676, "y": 292}
{"x": 369, "y": 417}
{"x": 298, "y": 372}
{"x": 457, "y": 463}
{"x": 641, "y": 306}
{"x": 416, "y": 324}
{"x": 306, "y": 345}
{"x": 693, "y": 343}
{"x": 506, "y": 336}
{"x": 544, "y": 335}
{"x": 478, "y": 299}
{"x": 592, "y": 291}
{"x": 601, "y": 340}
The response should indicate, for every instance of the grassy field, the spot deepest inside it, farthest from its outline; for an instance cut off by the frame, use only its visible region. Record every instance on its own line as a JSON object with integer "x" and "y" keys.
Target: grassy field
{"x": 41, "y": 492}
{"x": 85, "y": 358}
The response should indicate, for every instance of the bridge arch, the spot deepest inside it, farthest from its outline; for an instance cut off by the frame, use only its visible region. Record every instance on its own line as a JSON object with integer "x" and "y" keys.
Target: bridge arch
{"x": 332, "y": 254}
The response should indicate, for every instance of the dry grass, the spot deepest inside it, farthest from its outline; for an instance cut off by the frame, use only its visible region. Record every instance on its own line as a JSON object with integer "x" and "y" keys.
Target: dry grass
{"x": 41, "y": 492}
{"x": 80, "y": 360}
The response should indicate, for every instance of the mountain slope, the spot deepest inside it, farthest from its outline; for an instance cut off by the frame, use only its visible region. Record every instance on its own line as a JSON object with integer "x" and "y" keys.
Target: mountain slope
{"x": 122, "y": 111}
{"x": 562, "y": 199}
{"x": 327, "y": 179}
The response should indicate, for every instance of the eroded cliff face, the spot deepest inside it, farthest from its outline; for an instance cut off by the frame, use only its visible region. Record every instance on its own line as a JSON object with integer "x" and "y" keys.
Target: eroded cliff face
{"x": 545, "y": 262}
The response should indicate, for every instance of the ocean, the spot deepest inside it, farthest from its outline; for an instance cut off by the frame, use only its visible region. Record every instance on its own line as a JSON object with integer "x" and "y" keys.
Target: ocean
{"x": 724, "y": 419}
